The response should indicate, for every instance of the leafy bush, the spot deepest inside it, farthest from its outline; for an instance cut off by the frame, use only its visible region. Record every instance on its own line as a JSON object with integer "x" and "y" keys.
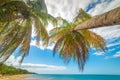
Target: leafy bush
{"x": 10, "y": 70}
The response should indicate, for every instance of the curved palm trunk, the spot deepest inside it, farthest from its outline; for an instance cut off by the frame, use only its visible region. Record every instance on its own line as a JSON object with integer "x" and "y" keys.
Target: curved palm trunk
{"x": 107, "y": 19}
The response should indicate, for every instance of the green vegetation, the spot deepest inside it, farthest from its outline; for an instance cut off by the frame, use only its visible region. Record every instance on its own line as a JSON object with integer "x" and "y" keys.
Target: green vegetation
{"x": 17, "y": 20}
{"x": 76, "y": 44}
{"x": 19, "y": 17}
{"x": 10, "y": 70}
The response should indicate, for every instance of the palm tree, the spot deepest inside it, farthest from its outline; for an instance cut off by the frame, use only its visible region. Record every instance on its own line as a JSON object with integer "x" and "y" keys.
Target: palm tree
{"x": 17, "y": 19}
{"x": 109, "y": 18}
{"x": 75, "y": 44}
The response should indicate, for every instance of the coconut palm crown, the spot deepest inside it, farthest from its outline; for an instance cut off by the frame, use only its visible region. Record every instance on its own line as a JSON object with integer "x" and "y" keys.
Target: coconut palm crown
{"x": 17, "y": 20}
{"x": 75, "y": 44}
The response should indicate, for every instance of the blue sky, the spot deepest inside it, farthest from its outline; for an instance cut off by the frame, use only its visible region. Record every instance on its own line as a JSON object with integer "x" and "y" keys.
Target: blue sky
{"x": 103, "y": 63}
{"x": 42, "y": 61}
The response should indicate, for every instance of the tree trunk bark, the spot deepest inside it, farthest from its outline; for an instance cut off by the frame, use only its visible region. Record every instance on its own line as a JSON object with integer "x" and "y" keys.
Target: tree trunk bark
{"x": 107, "y": 19}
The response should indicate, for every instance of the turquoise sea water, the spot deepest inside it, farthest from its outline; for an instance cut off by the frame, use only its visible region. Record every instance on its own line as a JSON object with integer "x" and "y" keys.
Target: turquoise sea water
{"x": 73, "y": 77}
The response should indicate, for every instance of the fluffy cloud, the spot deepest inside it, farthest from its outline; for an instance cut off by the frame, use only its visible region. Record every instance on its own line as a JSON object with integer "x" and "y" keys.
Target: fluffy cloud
{"x": 111, "y": 31}
{"x": 13, "y": 61}
{"x": 66, "y": 8}
{"x": 108, "y": 33}
{"x": 33, "y": 67}
{"x": 104, "y": 7}
{"x": 42, "y": 68}
{"x": 33, "y": 43}
{"x": 69, "y": 8}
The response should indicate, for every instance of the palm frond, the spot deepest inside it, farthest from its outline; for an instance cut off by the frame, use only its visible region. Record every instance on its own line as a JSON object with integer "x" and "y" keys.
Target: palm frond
{"x": 39, "y": 9}
{"x": 10, "y": 47}
{"x": 58, "y": 45}
{"x": 81, "y": 16}
{"x": 75, "y": 44}
{"x": 94, "y": 39}
{"x": 56, "y": 33}
{"x": 16, "y": 15}
{"x": 41, "y": 32}
{"x": 25, "y": 45}
{"x": 4, "y": 1}
{"x": 37, "y": 6}
{"x": 52, "y": 20}
{"x": 62, "y": 21}
{"x": 12, "y": 10}
{"x": 70, "y": 45}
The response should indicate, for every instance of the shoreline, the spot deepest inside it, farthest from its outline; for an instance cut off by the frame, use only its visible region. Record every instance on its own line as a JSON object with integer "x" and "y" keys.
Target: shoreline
{"x": 20, "y": 77}
{"x": 14, "y": 77}
{"x": 54, "y": 77}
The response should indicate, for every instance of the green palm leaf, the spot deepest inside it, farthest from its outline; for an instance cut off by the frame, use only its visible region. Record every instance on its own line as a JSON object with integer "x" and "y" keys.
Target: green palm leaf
{"x": 9, "y": 48}
{"x": 75, "y": 44}
{"x": 17, "y": 19}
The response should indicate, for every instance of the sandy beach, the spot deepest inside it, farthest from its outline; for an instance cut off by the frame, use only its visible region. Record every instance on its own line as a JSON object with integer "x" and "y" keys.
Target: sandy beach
{"x": 14, "y": 77}
{"x": 20, "y": 77}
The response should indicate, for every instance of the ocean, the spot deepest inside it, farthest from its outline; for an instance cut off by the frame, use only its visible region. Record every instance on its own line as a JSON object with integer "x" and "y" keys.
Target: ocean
{"x": 72, "y": 77}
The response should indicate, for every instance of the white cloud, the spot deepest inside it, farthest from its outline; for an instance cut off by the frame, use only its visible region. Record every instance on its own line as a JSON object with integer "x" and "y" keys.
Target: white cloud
{"x": 50, "y": 47}
{"x": 104, "y": 7}
{"x": 112, "y": 5}
{"x": 113, "y": 44}
{"x": 70, "y": 7}
{"x": 66, "y": 8}
{"x": 116, "y": 55}
{"x": 108, "y": 32}
{"x": 39, "y": 68}
{"x": 33, "y": 32}
{"x": 33, "y": 43}
{"x": 10, "y": 60}
{"x": 99, "y": 53}
{"x": 33, "y": 67}
{"x": 13, "y": 61}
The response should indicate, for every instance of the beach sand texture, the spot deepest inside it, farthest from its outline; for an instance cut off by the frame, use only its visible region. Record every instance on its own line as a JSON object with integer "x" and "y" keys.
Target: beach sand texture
{"x": 20, "y": 77}
{"x": 13, "y": 77}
